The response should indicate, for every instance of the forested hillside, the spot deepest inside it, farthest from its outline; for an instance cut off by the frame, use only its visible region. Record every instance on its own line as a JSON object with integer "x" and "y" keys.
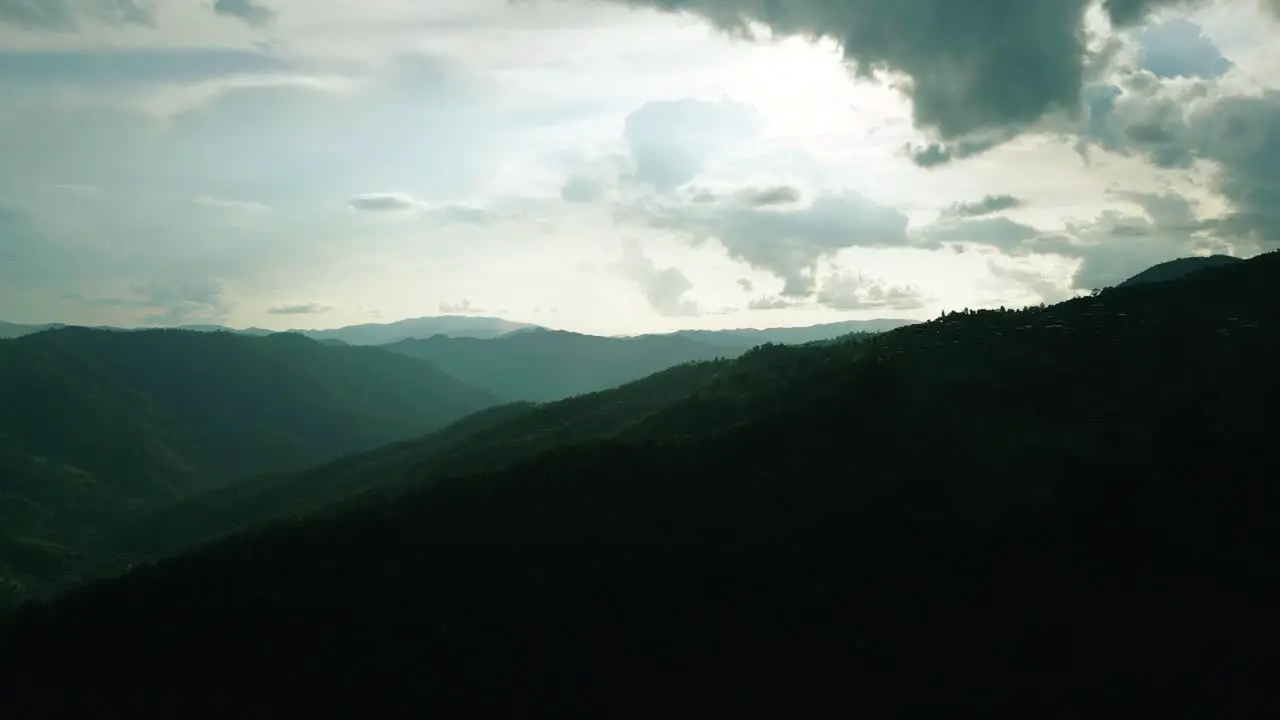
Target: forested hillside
{"x": 1026, "y": 512}
{"x": 97, "y": 425}
{"x": 489, "y": 440}
{"x": 544, "y": 365}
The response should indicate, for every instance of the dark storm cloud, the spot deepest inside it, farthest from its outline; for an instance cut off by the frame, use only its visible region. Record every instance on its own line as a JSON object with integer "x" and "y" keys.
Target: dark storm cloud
{"x": 972, "y": 68}
{"x": 63, "y": 15}
{"x": 1239, "y": 135}
{"x": 1242, "y": 135}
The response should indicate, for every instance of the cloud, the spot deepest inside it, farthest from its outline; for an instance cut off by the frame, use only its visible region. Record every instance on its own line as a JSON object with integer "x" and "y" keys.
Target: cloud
{"x": 465, "y": 214}
{"x": 252, "y": 12}
{"x": 998, "y": 232}
{"x": 786, "y": 242}
{"x": 988, "y": 205}
{"x": 1179, "y": 48}
{"x": 775, "y": 302}
{"x": 757, "y": 197}
{"x": 582, "y": 189}
{"x": 770, "y": 196}
{"x": 175, "y": 100}
{"x": 184, "y": 303}
{"x": 850, "y": 292}
{"x": 300, "y": 309}
{"x": 961, "y": 82}
{"x": 1047, "y": 290}
{"x": 225, "y": 204}
{"x": 461, "y": 307}
{"x": 1242, "y": 136}
{"x": 385, "y": 202}
{"x": 671, "y": 140}
{"x": 746, "y": 285}
{"x": 1118, "y": 245}
{"x": 938, "y": 154}
{"x": 1143, "y": 116}
{"x": 1109, "y": 248}
{"x": 1175, "y": 124}
{"x": 402, "y": 203}
{"x": 171, "y": 303}
{"x": 66, "y": 15}
{"x": 664, "y": 288}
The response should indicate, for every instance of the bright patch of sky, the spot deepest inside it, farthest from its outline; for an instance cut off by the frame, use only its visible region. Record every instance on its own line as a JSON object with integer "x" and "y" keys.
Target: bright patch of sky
{"x": 607, "y": 167}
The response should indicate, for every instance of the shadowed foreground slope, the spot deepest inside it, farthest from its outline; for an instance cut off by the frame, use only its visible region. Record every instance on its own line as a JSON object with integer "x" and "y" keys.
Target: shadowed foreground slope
{"x": 1032, "y": 511}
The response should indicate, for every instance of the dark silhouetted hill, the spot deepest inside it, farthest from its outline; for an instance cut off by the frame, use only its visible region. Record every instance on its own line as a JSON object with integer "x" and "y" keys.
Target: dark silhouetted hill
{"x": 1180, "y": 268}
{"x": 1035, "y": 512}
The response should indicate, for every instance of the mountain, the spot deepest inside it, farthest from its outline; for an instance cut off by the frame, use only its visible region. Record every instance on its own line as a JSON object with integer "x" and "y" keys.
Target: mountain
{"x": 543, "y": 365}
{"x": 12, "y": 330}
{"x": 793, "y": 335}
{"x": 96, "y": 425}
{"x": 488, "y": 440}
{"x": 1176, "y": 269}
{"x": 424, "y": 327}
{"x": 1025, "y": 512}
{"x": 221, "y": 328}
{"x": 691, "y": 400}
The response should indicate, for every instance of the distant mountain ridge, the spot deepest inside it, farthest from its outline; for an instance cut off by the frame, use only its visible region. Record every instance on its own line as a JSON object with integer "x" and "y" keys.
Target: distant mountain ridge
{"x": 542, "y": 365}
{"x": 796, "y": 335}
{"x": 422, "y": 327}
{"x": 466, "y": 326}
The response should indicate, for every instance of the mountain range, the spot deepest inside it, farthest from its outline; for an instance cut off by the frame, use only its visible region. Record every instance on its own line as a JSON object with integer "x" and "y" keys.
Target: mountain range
{"x": 99, "y": 425}
{"x": 953, "y": 515}
{"x": 467, "y": 326}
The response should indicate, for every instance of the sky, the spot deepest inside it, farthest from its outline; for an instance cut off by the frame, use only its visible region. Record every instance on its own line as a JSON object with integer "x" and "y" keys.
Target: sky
{"x": 620, "y": 166}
